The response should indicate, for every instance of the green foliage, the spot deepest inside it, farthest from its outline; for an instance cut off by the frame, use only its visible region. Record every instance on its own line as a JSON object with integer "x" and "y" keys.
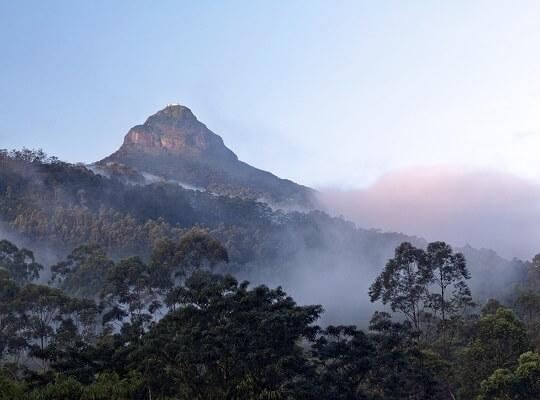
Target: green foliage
{"x": 450, "y": 295}
{"x": 59, "y": 205}
{"x": 227, "y": 341}
{"x": 221, "y": 339}
{"x": 59, "y": 388}
{"x": 161, "y": 264}
{"x": 109, "y": 386}
{"x": 522, "y": 384}
{"x": 403, "y": 283}
{"x": 197, "y": 250}
{"x": 19, "y": 262}
{"x": 171, "y": 264}
{"x": 83, "y": 273}
{"x": 533, "y": 274}
{"x": 10, "y": 390}
{"x": 120, "y": 172}
{"x": 400, "y": 369}
{"x": 345, "y": 357}
{"x": 106, "y": 386}
{"x": 127, "y": 292}
{"x": 528, "y": 306}
{"x": 499, "y": 338}
{"x": 491, "y": 307}
{"x": 41, "y": 308}
{"x": 416, "y": 280}
{"x": 10, "y": 324}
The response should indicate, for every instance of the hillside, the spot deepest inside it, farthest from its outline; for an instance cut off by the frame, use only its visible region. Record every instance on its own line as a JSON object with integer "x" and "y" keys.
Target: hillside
{"x": 51, "y": 207}
{"x": 174, "y": 145}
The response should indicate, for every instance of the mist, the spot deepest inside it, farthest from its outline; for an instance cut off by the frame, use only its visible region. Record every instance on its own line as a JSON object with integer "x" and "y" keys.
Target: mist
{"x": 339, "y": 284}
{"x": 482, "y": 208}
{"x": 318, "y": 259}
{"x": 337, "y": 263}
{"x": 44, "y": 254}
{"x": 333, "y": 265}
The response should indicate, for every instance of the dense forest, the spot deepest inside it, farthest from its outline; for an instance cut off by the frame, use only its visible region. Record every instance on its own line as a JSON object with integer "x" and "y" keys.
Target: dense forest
{"x": 52, "y": 206}
{"x": 112, "y": 288}
{"x": 173, "y": 328}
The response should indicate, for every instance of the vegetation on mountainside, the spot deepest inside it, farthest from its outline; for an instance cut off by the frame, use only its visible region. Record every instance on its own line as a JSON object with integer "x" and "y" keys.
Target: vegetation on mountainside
{"x": 57, "y": 206}
{"x": 141, "y": 304}
{"x": 169, "y": 328}
{"x": 174, "y": 145}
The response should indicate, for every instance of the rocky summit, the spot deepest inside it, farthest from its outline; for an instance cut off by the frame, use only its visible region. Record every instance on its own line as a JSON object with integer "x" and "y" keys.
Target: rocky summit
{"x": 174, "y": 145}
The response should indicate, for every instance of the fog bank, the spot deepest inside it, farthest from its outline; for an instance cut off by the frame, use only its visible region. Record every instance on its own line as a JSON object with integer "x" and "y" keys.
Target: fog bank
{"x": 483, "y": 208}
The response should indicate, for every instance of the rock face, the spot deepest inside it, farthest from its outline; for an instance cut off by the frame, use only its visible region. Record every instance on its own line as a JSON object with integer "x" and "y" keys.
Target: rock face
{"x": 173, "y": 144}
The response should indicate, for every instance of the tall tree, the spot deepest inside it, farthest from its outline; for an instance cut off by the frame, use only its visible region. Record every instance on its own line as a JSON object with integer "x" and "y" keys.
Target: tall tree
{"x": 197, "y": 250}
{"x": 83, "y": 272}
{"x": 10, "y": 324}
{"x": 19, "y": 262}
{"x": 527, "y": 305}
{"x": 450, "y": 293}
{"x": 400, "y": 370}
{"x": 498, "y": 340}
{"x": 522, "y": 384}
{"x": 226, "y": 341}
{"x": 161, "y": 265}
{"x": 127, "y": 293}
{"x": 403, "y": 283}
{"x": 345, "y": 357}
{"x": 416, "y": 281}
{"x": 42, "y": 311}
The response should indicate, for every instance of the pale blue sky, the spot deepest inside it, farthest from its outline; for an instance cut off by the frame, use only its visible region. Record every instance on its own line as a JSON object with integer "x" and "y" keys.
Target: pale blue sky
{"x": 324, "y": 93}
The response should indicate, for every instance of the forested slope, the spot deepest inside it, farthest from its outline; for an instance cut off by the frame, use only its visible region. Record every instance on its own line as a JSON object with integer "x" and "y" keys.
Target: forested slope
{"x": 169, "y": 328}
{"x": 58, "y": 205}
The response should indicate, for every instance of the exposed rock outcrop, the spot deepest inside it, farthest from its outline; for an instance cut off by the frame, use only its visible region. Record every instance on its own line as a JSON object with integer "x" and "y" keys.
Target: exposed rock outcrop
{"x": 175, "y": 145}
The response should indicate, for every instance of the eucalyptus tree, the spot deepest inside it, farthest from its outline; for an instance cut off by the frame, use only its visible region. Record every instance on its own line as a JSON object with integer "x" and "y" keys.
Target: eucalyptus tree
{"x": 83, "y": 272}
{"x": 404, "y": 283}
{"x": 127, "y": 293}
{"x": 20, "y": 262}
{"x": 171, "y": 264}
{"x": 226, "y": 341}
{"x": 42, "y": 311}
{"x": 345, "y": 358}
{"x": 522, "y": 383}
{"x": 10, "y": 324}
{"x": 449, "y": 293}
{"x": 415, "y": 281}
{"x": 197, "y": 250}
{"x": 498, "y": 340}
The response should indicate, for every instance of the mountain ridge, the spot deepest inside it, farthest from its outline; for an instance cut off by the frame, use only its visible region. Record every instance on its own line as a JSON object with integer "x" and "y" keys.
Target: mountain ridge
{"x": 174, "y": 144}
{"x": 60, "y": 205}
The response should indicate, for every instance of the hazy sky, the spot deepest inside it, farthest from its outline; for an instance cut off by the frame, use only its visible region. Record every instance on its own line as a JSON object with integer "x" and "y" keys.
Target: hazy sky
{"x": 331, "y": 94}
{"x": 325, "y": 93}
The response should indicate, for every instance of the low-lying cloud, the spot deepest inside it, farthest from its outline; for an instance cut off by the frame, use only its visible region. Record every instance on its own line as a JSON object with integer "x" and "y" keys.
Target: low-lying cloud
{"x": 461, "y": 206}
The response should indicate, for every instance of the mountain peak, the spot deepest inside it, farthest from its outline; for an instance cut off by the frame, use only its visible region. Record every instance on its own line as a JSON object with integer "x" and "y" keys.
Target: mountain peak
{"x": 172, "y": 143}
{"x": 172, "y": 113}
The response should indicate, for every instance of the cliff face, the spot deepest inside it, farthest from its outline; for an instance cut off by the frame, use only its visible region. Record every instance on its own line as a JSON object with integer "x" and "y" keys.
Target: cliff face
{"x": 173, "y": 144}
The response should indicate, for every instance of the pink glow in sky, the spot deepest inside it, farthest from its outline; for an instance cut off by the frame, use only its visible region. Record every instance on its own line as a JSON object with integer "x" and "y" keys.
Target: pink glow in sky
{"x": 480, "y": 207}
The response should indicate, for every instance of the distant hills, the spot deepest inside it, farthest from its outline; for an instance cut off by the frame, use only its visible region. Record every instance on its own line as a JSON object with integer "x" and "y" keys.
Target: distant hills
{"x": 172, "y": 144}
{"x": 173, "y": 175}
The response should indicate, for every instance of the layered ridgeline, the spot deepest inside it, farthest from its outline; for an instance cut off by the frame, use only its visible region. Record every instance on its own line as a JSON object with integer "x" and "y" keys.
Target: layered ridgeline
{"x": 153, "y": 322}
{"x": 174, "y": 145}
{"x": 132, "y": 199}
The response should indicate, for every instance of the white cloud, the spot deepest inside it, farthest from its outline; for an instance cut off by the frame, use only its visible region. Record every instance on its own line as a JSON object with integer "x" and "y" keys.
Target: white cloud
{"x": 484, "y": 208}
